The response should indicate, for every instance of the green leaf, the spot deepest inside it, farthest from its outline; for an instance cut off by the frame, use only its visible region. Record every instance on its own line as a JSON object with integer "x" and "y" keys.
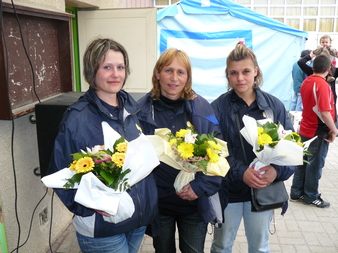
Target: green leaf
{"x": 200, "y": 150}
{"x": 79, "y": 155}
{"x": 74, "y": 179}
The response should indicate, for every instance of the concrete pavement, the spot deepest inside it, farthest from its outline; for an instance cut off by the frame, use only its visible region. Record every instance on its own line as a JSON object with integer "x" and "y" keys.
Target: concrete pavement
{"x": 303, "y": 229}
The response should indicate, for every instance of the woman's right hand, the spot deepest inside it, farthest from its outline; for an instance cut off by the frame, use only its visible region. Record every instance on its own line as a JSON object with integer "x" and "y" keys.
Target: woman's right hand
{"x": 253, "y": 179}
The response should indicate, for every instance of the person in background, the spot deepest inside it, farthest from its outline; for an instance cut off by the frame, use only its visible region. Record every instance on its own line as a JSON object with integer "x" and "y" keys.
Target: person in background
{"x": 298, "y": 77}
{"x": 244, "y": 97}
{"x": 315, "y": 92}
{"x": 308, "y": 70}
{"x": 326, "y": 42}
{"x": 106, "y": 67}
{"x": 327, "y": 48}
{"x": 171, "y": 104}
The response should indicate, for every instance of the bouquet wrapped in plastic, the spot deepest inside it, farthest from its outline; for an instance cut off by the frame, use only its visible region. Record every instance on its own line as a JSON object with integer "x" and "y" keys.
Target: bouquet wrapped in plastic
{"x": 272, "y": 144}
{"x": 102, "y": 174}
{"x": 190, "y": 152}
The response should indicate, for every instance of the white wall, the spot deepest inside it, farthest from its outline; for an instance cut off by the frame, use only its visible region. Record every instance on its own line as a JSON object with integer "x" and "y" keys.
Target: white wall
{"x": 17, "y": 179}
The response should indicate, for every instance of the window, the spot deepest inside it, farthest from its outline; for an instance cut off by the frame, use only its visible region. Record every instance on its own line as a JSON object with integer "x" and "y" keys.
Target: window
{"x": 295, "y": 23}
{"x": 261, "y": 10}
{"x": 293, "y": 11}
{"x": 310, "y": 25}
{"x": 326, "y": 25}
{"x": 310, "y": 11}
{"x": 292, "y": 2}
{"x": 277, "y": 11}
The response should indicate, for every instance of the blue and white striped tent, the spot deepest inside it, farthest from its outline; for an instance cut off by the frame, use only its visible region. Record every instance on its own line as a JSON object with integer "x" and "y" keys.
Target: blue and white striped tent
{"x": 209, "y": 29}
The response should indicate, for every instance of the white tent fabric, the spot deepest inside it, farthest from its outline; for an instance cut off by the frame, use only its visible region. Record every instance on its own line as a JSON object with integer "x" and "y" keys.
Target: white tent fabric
{"x": 207, "y": 30}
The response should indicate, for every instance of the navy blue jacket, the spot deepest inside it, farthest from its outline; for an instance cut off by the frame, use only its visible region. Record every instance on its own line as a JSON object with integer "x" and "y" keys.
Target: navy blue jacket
{"x": 226, "y": 107}
{"x": 81, "y": 128}
{"x": 199, "y": 112}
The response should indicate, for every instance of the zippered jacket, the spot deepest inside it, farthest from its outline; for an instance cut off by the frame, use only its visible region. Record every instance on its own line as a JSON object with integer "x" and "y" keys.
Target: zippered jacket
{"x": 203, "y": 119}
{"x": 226, "y": 108}
{"x": 81, "y": 128}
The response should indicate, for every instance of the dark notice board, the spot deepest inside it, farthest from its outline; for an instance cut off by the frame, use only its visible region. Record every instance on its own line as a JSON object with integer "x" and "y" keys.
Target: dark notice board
{"x": 46, "y": 36}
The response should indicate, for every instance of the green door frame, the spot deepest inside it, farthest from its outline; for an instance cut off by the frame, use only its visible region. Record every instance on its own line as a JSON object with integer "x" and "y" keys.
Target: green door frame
{"x": 76, "y": 55}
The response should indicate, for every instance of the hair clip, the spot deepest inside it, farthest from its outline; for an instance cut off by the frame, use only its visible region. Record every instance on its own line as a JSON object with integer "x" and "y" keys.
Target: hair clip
{"x": 241, "y": 42}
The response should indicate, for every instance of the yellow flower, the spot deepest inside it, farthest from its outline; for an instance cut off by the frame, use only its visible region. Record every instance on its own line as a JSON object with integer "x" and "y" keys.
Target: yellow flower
{"x": 182, "y": 132}
{"x": 118, "y": 159}
{"x": 84, "y": 165}
{"x": 214, "y": 146}
{"x": 172, "y": 141}
{"x": 122, "y": 147}
{"x": 190, "y": 125}
{"x": 264, "y": 139}
{"x": 72, "y": 166}
{"x": 260, "y": 130}
{"x": 186, "y": 150}
{"x": 213, "y": 157}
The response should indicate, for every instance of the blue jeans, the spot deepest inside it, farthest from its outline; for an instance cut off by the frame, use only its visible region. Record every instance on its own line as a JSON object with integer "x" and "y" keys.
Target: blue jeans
{"x": 296, "y": 104}
{"x": 256, "y": 224}
{"x": 191, "y": 230}
{"x": 129, "y": 242}
{"x": 306, "y": 178}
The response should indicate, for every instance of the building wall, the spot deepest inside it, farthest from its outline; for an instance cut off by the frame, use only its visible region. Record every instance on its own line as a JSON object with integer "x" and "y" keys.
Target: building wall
{"x": 22, "y": 194}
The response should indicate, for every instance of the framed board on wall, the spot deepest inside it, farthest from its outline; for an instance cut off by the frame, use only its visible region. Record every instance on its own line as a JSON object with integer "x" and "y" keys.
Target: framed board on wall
{"x": 35, "y": 58}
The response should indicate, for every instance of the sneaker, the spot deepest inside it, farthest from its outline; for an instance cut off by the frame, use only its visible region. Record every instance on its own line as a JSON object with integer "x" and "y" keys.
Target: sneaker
{"x": 319, "y": 202}
{"x": 301, "y": 198}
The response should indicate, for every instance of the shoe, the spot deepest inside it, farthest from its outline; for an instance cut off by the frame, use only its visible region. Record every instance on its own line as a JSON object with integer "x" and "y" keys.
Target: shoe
{"x": 330, "y": 79}
{"x": 301, "y": 198}
{"x": 319, "y": 202}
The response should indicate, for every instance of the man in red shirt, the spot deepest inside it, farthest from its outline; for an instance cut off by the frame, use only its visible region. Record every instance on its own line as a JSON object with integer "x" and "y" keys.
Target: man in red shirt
{"x": 318, "y": 119}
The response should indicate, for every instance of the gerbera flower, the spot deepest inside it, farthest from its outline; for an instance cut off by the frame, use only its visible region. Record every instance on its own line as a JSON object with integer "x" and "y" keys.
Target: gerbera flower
{"x": 260, "y": 130}
{"x": 213, "y": 157}
{"x": 214, "y": 146}
{"x": 182, "y": 133}
{"x": 84, "y": 165}
{"x": 186, "y": 150}
{"x": 72, "y": 166}
{"x": 172, "y": 141}
{"x": 122, "y": 147}
{"x": 118, "y": 158}
{"x": 264, "y": 139}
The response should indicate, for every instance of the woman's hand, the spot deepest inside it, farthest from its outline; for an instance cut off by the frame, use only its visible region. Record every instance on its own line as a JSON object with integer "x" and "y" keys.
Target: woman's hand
{"x": 269, "y": 175}
{"x": 255, "y": 179}
{"x": 103, "y": 213}
{"x": 187, "y": 193}
{"x": 252, "y": 178}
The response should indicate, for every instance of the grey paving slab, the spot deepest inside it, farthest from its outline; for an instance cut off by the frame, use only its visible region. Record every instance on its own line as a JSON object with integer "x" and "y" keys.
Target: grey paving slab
{"x": 303, "y": 229}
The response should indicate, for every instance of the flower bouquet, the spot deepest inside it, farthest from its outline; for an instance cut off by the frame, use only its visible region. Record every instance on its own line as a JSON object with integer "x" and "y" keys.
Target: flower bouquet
{"x": 102, "y": 174}
{"x": 190, "y": 152}
{"x": 272, "y": 144}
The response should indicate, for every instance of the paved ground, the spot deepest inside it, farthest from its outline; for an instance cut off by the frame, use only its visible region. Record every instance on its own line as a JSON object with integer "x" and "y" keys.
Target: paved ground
{"x": 303, "y": 229}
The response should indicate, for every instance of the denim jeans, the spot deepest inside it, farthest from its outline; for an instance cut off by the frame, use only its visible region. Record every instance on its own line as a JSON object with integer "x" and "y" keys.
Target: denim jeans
{"x": 306, "y": 178}
{"x": 296, "y": 104}
{"x": 256, "y": 224}
{"x": 129, "y": 242}
{"x": 191, "y": 231}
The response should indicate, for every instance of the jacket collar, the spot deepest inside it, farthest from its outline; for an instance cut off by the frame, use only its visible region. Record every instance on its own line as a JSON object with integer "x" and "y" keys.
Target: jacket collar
{"x": 129, "y": 104}
{"x": 260, "y": 98}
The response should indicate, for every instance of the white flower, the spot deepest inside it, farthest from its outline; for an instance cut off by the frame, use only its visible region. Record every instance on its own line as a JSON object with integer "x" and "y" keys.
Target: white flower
{"x": 94, "y": 150}
{"x": 282, "y": 133}
{"x": 190, "y": 138}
